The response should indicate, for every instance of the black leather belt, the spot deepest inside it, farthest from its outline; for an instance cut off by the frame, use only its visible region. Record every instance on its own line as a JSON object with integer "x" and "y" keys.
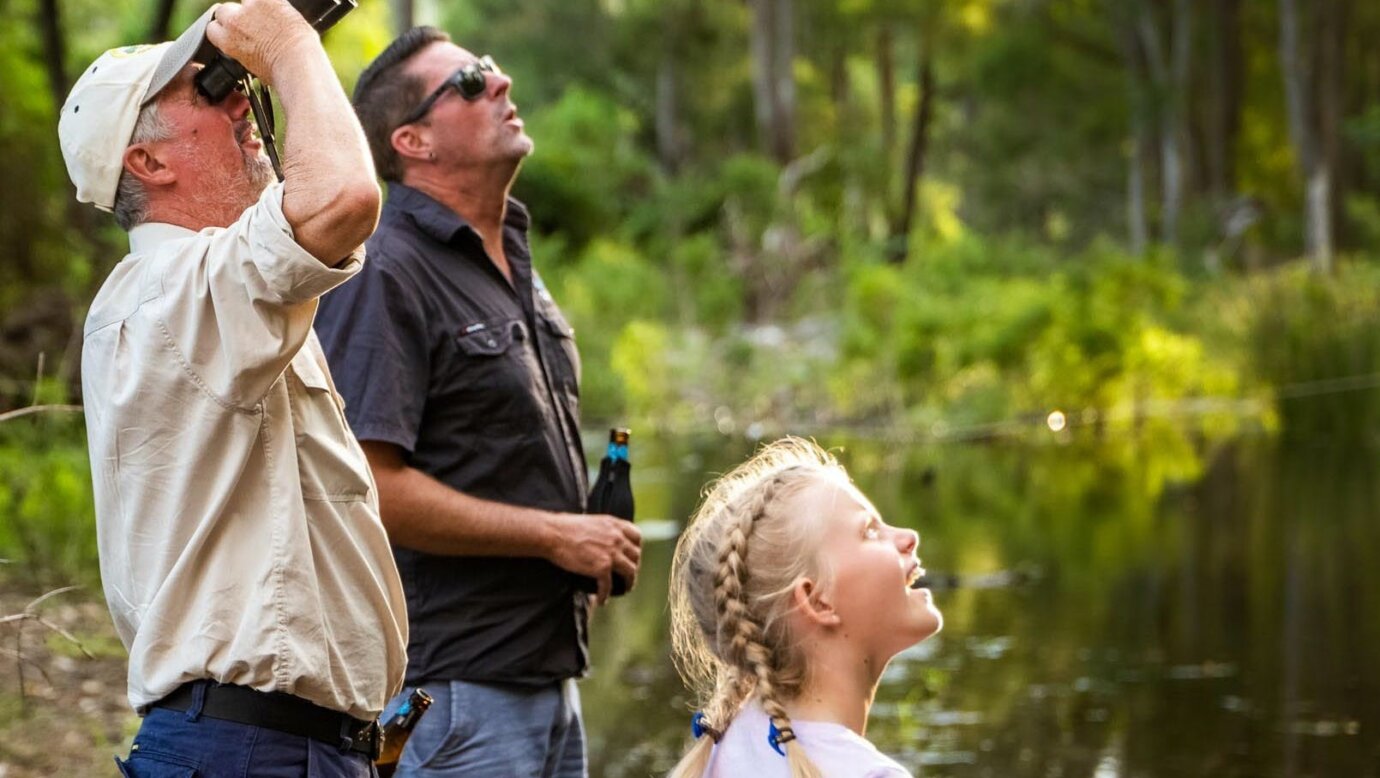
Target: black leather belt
{"x": 280, "y": 712}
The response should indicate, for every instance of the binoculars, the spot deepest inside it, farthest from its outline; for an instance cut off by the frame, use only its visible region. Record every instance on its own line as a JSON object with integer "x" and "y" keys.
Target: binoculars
{"x": 222, "y": 74}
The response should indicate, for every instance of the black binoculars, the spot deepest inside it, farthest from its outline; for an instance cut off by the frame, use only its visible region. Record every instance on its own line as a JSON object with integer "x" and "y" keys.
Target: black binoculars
{"x": 222, "y": 74}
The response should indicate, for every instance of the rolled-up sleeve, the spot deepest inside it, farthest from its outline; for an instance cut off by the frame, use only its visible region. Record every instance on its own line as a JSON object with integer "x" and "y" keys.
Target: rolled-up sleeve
{"x": 238, "y": 302}
{"x": 283, "y": 271}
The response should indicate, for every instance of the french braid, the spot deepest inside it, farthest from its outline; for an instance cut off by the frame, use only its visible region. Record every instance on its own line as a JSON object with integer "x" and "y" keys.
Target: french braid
{"x": 730, "y": 638}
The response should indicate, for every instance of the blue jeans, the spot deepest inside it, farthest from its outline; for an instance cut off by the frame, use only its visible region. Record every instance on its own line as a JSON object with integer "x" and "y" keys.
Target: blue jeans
{"x": 176, "y": 744}
{"x": 496, "y": 731}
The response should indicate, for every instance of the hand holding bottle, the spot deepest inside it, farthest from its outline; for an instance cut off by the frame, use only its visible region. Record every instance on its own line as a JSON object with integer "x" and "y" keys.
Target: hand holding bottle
{"x": 597, "y": 547}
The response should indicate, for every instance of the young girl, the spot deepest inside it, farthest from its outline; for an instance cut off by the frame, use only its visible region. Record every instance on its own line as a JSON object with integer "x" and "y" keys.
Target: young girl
{"x": 789, "y": 595}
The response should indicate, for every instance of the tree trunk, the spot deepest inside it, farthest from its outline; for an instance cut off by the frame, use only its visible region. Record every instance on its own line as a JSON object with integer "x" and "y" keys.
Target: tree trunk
{"x": 1331, "y": 79}
{"x": 160, "y": 28}
{"x": 760, "y": 46}
{"x": 1138, "y": 119}
{"x": 772, "y": 45}
{"x": 667, "y": 133}
{"x": 1298, "y": 102}
{"x": 886, "y": 86}
{"x": 1224, "y": 110}
{"x": 915, "y": 162}
{"x": 783, "y": 73}
{"x": 1172, "y": 125}
{"x": 54, "y": 51}
{"x": 404, "y": 15}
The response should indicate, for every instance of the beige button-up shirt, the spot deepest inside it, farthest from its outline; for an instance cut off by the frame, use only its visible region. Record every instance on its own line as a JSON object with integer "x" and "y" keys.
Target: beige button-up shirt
{"x": 237, "y": 518}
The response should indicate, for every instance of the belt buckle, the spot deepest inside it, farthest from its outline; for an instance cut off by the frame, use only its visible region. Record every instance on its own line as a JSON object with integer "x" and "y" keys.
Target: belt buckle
{"x": 367, "y": 740}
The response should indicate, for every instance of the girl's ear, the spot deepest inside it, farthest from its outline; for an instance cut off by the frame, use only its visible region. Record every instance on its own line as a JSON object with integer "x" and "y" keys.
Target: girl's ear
{"x": 814, "y": 603}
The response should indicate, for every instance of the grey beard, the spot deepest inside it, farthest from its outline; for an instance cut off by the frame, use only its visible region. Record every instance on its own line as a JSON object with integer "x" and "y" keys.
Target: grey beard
{"x": 259, "y": 170}
{"x": 231, "y": 191}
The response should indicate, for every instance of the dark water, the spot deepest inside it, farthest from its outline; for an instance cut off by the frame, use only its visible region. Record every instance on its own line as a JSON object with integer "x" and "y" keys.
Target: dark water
{"x": 1177, "y": 608}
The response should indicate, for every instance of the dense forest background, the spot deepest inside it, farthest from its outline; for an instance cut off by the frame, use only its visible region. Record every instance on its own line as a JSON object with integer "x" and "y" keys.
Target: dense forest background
{"x": 1127, "y": 249}
{"x": 947, "y": 218}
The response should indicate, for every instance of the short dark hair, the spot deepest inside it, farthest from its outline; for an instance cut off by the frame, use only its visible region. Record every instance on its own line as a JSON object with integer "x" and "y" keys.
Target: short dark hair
{"x": 385, "y": 93}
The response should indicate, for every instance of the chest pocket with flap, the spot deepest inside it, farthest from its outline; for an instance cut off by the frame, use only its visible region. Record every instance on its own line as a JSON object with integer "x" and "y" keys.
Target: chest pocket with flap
{"x": 331, "y": 464}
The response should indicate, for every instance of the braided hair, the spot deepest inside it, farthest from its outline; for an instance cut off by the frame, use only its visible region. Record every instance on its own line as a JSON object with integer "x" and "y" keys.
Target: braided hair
{"x": 731, "y": 583}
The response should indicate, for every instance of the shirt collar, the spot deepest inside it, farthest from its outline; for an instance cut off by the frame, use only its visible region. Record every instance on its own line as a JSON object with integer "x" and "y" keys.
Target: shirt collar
{"x": 148, "y": 236}
{"x": 440, "y": 222}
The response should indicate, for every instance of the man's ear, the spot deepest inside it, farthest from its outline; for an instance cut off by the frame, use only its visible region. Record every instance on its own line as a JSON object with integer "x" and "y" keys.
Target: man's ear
{"x": 141, "y": 161}
{"x": 814, "y": 603}
{"x": 411, "y": 143}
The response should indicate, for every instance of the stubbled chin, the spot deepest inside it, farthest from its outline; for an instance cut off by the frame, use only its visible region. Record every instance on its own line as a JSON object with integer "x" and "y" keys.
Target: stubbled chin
{"x": 260, "y": 172}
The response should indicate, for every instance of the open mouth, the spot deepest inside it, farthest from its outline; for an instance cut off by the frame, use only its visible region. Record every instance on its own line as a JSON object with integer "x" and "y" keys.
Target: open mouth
{"x": 915, "y": 577}
{"x": 247, "y": 133}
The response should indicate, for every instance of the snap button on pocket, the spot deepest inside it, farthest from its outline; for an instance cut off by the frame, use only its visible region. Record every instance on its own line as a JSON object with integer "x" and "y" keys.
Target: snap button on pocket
{"x": 485, "y": 340}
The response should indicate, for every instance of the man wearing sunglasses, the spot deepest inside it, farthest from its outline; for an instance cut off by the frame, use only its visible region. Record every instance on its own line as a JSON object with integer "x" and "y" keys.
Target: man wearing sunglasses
{"x": 460, "y": 378}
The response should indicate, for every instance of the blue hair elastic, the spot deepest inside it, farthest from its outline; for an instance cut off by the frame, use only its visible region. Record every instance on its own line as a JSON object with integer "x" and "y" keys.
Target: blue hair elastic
{"x": 776, "y": 738}
{"x": 699, "y": 727}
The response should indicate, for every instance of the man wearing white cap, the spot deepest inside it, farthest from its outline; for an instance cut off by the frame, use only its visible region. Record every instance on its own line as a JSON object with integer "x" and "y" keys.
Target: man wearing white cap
{"x": 241, "y": 551}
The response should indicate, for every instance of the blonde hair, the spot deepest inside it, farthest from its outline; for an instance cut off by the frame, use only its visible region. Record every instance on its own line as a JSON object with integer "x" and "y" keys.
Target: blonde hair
{"x": 731, "y": 587}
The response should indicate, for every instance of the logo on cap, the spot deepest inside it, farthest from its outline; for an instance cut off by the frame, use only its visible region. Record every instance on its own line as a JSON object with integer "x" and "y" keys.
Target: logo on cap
{"x": 129, "y": 51}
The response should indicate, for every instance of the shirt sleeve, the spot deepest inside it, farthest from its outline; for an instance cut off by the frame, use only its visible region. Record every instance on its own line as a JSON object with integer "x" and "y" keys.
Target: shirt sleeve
{"x": 238, "y": 302}
{"x": 374, "y": 333}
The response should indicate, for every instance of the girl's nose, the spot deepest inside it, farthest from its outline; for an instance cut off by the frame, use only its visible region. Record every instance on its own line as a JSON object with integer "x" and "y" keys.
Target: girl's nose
{"x": 907, "y": 540}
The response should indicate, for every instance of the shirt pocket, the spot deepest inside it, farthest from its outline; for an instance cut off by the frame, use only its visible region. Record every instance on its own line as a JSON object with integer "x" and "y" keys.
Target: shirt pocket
{"x": 496, "y": 382}
{"x": 489, "y": 339}
{"x": 329, "y": 461}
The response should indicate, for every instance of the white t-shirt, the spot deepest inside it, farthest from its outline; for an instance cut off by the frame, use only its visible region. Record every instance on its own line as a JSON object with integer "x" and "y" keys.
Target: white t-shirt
{"x": 836, "y": 750}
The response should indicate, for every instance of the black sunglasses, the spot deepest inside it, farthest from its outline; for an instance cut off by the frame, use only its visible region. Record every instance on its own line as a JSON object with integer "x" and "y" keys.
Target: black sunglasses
{"x": 469, "y": 82}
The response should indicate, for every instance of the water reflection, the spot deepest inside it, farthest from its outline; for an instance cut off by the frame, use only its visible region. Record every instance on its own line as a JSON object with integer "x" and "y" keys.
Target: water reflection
{"x": 1194, "y": 610}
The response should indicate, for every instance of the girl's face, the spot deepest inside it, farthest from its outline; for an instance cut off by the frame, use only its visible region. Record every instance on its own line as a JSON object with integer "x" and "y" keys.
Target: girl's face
{"x": 869, "y": 566}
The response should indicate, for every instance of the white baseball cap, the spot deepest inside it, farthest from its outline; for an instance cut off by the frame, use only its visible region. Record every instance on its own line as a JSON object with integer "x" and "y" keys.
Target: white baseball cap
{"x": 98, "y": 119}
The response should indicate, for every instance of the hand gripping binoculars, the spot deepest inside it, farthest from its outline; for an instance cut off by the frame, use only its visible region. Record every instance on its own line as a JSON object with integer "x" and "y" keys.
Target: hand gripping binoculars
{"x": 222, "y": 74}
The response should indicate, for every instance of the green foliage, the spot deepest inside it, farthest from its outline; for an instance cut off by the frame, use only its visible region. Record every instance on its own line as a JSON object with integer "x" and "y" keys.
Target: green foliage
{"x": 603, "y": 289}
{"x": 587, "y": 169}
{"x": 984, "y": 331}
{"x": 38, "y": 250}
{"x": 48, "y": 527}
{"x": 1317, "y": 341}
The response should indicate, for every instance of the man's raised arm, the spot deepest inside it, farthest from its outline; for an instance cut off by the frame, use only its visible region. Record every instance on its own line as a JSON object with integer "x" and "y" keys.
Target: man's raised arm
{"x": 330, "y": 196}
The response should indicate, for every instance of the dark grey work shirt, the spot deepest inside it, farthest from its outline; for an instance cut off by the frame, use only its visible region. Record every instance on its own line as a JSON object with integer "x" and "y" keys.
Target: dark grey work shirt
{"x": 477, "y": 380}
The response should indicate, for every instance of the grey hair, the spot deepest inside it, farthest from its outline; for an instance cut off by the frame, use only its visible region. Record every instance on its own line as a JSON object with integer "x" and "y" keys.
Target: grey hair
{"x": 131, "y": 199}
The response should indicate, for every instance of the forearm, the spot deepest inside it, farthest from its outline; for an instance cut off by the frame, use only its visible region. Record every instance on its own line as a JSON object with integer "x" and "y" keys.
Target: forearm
{"x": 330, "y": 195}
{"x": 424, "y": 514}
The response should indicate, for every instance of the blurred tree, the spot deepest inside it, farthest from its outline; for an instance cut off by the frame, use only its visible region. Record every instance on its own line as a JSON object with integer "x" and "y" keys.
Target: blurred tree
{"x": 404, "y": 15}
{"x": 1306, "y": 104}
{"x": 160, "y": 29}
{"x": 773, "y": 76}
